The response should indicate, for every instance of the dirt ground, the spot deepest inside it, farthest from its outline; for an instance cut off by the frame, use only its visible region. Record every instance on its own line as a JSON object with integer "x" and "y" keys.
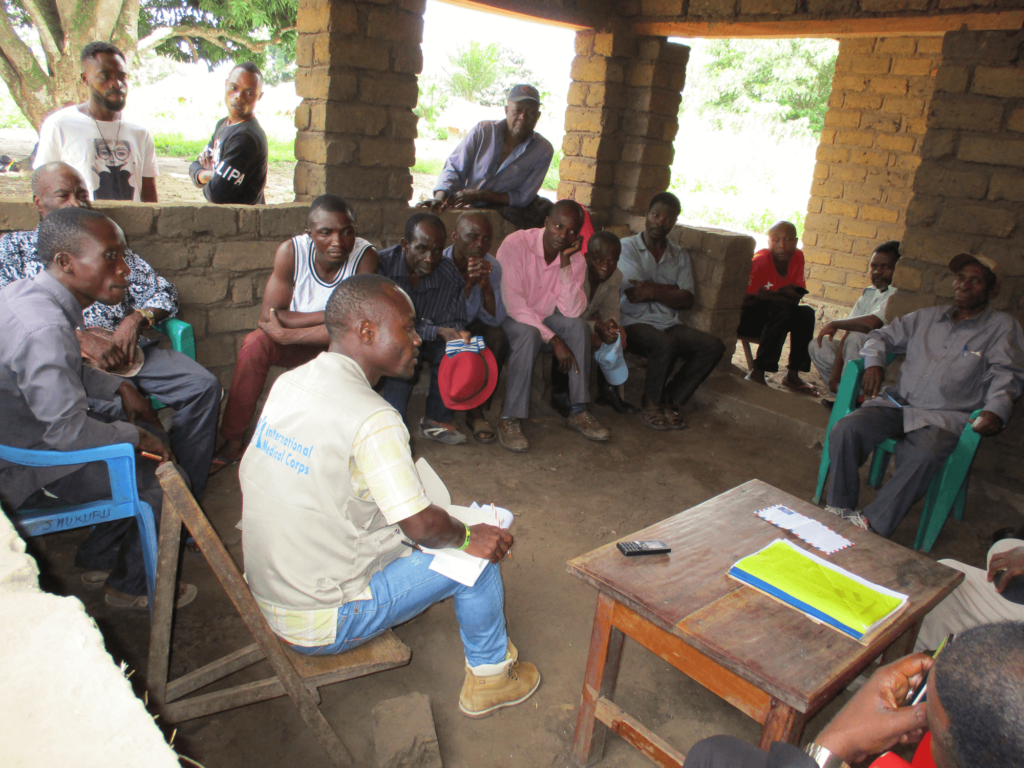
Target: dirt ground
{"x": 569, "y": 496}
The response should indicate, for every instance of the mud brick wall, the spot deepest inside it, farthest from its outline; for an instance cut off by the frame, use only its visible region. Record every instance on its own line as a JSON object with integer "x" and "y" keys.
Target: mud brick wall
{"x": 969, "y": 195}
{"x": 867, "y": 157}
{"x": 357, "y": 66}
{"x": 620, "y": 123}
{"x": 218, "y": 257}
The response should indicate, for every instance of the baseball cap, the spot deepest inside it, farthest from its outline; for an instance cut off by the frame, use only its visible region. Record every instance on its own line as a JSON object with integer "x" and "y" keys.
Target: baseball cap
{"x": 957, "y": 263}
{"x": 467, "y": 379}
{"x": 522, "y": 92}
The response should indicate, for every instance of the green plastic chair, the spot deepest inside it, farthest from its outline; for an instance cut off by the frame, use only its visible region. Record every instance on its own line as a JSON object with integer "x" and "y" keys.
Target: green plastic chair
{"x": 182, "y": 340}
{"x": 948, "y": 489}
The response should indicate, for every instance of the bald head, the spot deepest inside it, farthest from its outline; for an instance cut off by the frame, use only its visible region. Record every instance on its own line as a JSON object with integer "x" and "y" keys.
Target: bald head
{"x": 570, "y": 207}
{"x": 782, "y": 241}
{"x": 361, "y": 297}
{"x": 57, "y": 185}
{"x": 471, "y": 237}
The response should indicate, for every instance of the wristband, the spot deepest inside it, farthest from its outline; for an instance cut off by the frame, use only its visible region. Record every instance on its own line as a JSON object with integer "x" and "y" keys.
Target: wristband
{"x": 823, "y": 757}
{"x": 466, "y": 542}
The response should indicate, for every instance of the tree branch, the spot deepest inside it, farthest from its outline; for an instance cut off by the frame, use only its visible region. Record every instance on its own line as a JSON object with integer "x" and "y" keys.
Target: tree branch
{"x": 24, "y": 76}
{"x": 47, "y": 24}
{"x": 215, "y": 36}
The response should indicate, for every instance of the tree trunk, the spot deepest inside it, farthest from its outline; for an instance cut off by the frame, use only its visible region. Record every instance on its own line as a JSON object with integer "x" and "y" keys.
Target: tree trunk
{"x": 65, "y": 27}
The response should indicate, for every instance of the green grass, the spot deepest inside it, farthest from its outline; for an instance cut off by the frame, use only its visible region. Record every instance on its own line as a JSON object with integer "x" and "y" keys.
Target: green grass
{"x": 429, "y": 165}
{"x": 176, "y": 145}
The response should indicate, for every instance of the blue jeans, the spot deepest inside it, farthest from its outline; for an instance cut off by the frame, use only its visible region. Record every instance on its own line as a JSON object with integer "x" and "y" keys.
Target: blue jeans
{"x": 406, "y": 588}
{"x": 397, "y": 391}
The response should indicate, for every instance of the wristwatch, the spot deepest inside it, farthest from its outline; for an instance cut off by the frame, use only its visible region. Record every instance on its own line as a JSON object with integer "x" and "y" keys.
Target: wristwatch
{"x": 823, "y": 757}
{"x": 148, "y": 314}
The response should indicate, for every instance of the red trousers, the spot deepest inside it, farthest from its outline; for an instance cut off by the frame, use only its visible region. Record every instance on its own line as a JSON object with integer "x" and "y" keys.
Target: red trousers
{"x": 257, "y": 355}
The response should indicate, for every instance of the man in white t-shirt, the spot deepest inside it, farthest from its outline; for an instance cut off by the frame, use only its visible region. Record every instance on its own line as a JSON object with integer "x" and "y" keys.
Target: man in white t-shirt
{"x": 291, "y": 332}
{"x": 116, "y": 158}
{"x": 867, "y": 315}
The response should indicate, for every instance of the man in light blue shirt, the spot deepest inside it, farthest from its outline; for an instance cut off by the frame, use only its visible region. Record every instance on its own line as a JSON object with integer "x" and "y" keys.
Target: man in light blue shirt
{"x": 657, "y": 283}
{"x": 867, "y": 315}
{"x": 500, "y": 163}
{"x": 485, "y": 310}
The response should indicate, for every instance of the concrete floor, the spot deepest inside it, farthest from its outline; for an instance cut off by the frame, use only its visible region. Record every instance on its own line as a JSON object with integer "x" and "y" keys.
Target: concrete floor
{"x": 569, "y": 496}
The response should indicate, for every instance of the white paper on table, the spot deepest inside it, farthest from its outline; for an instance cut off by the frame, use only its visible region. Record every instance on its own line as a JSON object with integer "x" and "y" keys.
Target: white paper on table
{"x": 453, "y": 563}
{"x": 814, "y": 533}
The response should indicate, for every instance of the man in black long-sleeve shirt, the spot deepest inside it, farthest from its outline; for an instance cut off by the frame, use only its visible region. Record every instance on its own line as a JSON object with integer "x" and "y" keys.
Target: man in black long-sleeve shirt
{"x": 233, "y": 166}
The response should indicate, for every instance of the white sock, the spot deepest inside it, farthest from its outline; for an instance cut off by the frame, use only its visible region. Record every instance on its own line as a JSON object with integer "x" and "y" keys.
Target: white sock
{"x": 488, "y": 670}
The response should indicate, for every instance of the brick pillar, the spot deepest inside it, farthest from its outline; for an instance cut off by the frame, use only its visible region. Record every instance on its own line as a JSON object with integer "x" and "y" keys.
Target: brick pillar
{"x": 869, "y": 152}
{"x": 621, "y": 121}
{"x": 357, "y": 67}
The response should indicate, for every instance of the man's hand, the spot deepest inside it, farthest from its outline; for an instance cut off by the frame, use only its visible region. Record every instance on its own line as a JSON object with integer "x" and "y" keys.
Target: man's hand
{"x": 274, "y": 328}
{"x": 875, "y": 718}
{"x": 137, "y": 406}
{"x": 127, "y": 334}
{"x": 987, "y": 424}
{"x": 434, "y": 205}
{"x": 1011, "y": 561}
{"x": 205, "y": 158}
{"x": 829, "y": 330}
{"x": 642, "y": 290}
{"x": 488, "y": 542}
{"x": 150, "y": 443}
{"x": 871, "y": 384}
{"x": 565, "y": 255}
{"x": 566, "y": 359}
{"x": 100, "y": 351}
{"x": 467, "y": 197}
{"x": 608, "y": 331}
{"x": 478, "y": 269}
{"x": 451, "y": 334}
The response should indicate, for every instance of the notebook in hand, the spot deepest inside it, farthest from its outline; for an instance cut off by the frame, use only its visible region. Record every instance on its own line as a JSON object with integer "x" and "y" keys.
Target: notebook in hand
{"x": 823, "y": 591}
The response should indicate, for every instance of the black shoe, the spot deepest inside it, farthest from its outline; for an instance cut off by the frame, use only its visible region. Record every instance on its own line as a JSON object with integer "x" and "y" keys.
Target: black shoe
{"x": 1007, "y": 533}
{"x": 560, "y": 402}
{"x": 609, "y": 395}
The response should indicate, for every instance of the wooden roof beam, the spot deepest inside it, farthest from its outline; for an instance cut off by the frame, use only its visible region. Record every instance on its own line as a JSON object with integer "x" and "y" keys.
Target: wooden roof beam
{"x": 864, "y": 27}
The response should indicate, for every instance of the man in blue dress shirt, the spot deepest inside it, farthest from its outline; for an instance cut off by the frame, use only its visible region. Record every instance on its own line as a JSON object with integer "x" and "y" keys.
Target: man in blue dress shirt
{"x": 500, "y": 163}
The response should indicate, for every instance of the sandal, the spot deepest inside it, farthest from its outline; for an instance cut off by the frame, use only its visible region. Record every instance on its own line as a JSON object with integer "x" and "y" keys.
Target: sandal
{"x": 674, "y": 420}
{"x": 481, "y": 427}
{"x": 654, "y": 418}
{"x": 439, "y": 433}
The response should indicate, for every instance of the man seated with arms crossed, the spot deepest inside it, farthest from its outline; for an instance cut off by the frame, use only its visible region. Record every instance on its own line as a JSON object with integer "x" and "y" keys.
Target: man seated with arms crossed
{"x": 232, "y": 168}
{"x": 113, "y": 332}
{"x": 658, "y": 282}
{"x": 291, "y": 329}
{"x": 485, "y": 310}
{"x": 972, "y": 716}
{"x": 771, "y": 311}
{"x": 45, "y": 390}
{"x": 958, "y": 359}
{"x": 434, "y": 284}
{"x": 500, "y": 163}
{"x": 602, "y": 286}
{"x": 867, "y": 315}
{"x": 326, "y": 530}
{"x": 542, "y": 285}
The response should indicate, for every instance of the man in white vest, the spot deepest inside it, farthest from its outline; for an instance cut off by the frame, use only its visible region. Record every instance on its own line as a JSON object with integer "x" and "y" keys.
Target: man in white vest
{"x": 334, "y": 511}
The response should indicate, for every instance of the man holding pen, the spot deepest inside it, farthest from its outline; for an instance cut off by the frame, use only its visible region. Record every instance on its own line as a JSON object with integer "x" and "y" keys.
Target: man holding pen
{"x": 959, "y": 359}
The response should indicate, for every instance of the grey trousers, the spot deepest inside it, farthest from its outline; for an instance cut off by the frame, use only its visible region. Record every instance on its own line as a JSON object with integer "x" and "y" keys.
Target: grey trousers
{"x": 525, "y": 342}
{"x": 730, "y": 752}
{"x": 824, "y": 357}
{"x": 919, "y": 455}
{"x": 194, "y": 393}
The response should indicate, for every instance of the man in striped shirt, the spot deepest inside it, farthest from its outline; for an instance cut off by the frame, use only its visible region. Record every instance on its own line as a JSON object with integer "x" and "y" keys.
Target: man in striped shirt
{"x": 418, "y": 267}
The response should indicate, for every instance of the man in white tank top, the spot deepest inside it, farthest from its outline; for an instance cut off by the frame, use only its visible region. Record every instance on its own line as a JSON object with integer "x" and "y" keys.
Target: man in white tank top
{"x": 307, "y": 269}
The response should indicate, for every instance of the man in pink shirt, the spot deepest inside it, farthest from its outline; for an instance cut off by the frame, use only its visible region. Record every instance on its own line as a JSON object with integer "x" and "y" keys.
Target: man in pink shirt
{"x": 542, "y": 287}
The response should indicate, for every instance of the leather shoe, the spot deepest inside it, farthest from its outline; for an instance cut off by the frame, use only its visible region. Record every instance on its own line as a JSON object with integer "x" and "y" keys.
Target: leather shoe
{"x": 609, "y": 395}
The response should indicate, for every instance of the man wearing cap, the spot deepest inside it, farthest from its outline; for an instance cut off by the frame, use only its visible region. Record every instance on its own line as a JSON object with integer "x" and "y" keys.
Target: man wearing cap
{"x": 435, "y": 286}
{"x": 500, "y": 163}
{"x": 485, "y": 310}
{"x": 335, "y": 512}
{"x": 959, "y": 359}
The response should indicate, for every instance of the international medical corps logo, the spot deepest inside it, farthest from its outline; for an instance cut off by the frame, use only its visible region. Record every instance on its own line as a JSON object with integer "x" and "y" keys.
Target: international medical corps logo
{"x": 281, "y": 447}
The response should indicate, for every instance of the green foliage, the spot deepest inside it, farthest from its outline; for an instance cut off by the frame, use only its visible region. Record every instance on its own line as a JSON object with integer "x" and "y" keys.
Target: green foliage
{"x": 176, "y": 145}
{"x": 432, "y": 102}
{"x": 10, "y": 115}
{"x": 484, "y": 73}
{"x": 783, "y": 82}
{"x": 429, "y": 165}
{"x": 551, "y": 177}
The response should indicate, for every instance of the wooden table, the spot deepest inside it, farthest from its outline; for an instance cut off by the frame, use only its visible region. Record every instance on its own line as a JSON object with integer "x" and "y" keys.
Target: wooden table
{"x": 769, "y": 661}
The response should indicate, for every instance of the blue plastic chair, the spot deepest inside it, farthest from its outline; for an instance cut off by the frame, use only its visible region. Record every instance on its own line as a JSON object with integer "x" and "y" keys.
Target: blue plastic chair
{"x": 124, "y": 501}
{"x": 182, "y": 340}
{"x": 948, "y": 489}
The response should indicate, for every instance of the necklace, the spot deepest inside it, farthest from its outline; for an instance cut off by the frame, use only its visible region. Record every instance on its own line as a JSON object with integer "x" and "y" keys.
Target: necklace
{"x": 110, "y": 153}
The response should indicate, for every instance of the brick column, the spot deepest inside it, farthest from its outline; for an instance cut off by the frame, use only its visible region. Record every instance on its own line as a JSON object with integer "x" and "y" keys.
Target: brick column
{"x": 869, "y": 152}
{"x": 357, "y": 67}
{"x": 621, "y": 121}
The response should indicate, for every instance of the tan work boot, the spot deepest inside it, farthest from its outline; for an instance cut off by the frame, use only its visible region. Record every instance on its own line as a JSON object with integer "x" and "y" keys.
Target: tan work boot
{"x": 510, "y": 435}
{"x": 586, "y": 424}
{"x": 489, "y": 687}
